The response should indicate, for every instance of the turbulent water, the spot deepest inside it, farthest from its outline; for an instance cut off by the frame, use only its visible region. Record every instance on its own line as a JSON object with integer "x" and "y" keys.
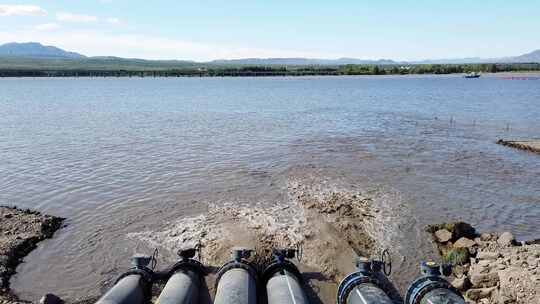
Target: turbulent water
{"x": 126, "y": 160}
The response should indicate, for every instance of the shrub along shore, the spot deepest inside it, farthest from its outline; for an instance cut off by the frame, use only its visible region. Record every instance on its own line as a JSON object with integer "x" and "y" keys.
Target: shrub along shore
{"x": 71, "y": 68}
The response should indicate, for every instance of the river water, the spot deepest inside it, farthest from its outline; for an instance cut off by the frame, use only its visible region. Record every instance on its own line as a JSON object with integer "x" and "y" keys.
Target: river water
{"x": 121, "y": 156}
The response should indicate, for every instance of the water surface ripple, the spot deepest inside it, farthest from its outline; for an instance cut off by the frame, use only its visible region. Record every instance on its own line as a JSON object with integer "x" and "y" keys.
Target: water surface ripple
{"x": 116, "y": 156}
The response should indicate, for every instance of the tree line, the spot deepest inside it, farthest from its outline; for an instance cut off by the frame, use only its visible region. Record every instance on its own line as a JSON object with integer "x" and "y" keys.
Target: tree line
{"x": 256, "y": 71}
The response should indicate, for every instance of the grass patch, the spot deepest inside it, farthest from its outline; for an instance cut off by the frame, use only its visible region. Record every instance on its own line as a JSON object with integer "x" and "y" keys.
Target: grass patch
{"x": 456, "y": 256}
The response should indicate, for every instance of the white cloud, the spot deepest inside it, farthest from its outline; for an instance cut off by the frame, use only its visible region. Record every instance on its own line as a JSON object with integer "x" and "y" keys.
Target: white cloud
{"x": 96, "y": 43}
{"x": 47, "y": 27}
{"x": 70, "y": 17}
{"x": 114, "y": 21}
{"x": 21, "y": 10}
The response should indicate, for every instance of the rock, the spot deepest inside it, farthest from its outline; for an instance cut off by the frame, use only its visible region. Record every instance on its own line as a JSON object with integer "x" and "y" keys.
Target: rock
{"x": 505, "y": 299}
{"x": 50, "y": 299}
{"x": 462, "y": 229}
{"x": 500, "y": 271}
{"x": 484, "y": 263}
{"x": 532, "y": 262}
{"x": 485, "y": 237}
{"x": 479, "y": 293}
{"x": 464, "y": 243}
{"x": 489, "y": 279}
{"x": 461, "y": 284}
{"x": 443, "y": 235}
{"x": 458, "y": 271}
{"x": 478, "y": 241}
{"x": 477, "y": 269}
{"x": 506, "y": 239}
{"x": 484, "y": 255}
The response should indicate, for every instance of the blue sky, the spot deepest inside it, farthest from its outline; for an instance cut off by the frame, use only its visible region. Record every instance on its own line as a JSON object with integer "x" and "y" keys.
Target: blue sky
{"x": 212, "y": 29}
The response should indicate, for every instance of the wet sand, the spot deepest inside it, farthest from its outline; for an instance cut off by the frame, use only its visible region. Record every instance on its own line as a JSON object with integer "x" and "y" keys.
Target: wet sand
{"x": 20, "y": 233}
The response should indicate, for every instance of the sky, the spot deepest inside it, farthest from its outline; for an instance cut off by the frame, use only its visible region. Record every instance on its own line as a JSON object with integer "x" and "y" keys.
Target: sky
{"x": 217, "y": 29}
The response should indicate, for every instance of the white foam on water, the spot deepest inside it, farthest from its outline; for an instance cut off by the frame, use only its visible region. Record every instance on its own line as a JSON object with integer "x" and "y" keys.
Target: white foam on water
{"x": 229, "y": 225}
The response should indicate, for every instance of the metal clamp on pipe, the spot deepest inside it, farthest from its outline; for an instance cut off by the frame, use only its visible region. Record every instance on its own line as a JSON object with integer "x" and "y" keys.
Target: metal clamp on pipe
{"x": 362, "y": 287}
{"x": 184, "y": 279}
{"x": 237, "y": 280}
{"x": 430, "y": 287}
{"x": 283, "y": 280}
{"x": 133, "y": 286}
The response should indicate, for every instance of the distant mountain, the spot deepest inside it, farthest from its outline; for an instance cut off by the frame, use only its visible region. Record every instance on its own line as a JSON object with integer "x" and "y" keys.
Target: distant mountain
{"x": 526, "y": 58}
{"x": 450, "y": 61}
{"x": 532, "y": 57}
{"x": 529, "y": 57}
{"x": 36, "y": 50}
{"x": 298, "y": 61}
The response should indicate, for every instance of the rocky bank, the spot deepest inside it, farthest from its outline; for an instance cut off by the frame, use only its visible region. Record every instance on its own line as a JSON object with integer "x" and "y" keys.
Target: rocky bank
{"x": 490, "y": 268}
{"x": 20, "y": 232}
{"x": 527, "y": 145}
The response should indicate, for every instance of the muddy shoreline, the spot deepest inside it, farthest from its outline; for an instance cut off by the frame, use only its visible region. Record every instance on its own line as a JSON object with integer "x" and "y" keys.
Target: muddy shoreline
{"x": 20, "y": 233}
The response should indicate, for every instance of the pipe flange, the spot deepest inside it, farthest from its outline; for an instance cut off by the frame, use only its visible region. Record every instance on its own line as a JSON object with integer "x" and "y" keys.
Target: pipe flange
{"x": 421, "y": 286}
{"x": 188, "y": 264}
{"x": 278, "y": 266}
{"x": 350, "y": 282}
{"x": 145, "y": 273}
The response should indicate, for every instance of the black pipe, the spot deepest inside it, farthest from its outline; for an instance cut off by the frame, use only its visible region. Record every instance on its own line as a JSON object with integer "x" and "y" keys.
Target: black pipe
{"x": 237, "y": 280}
{"x": 283, "y": 280}
{"x": 431, "y": 288}
{"x": 184, "y": 280}
{"x": 361, "y": 287}
{"x": 132, "y": 287}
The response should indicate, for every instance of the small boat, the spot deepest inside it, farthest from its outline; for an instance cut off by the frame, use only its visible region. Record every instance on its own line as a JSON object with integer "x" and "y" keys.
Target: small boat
{"x": 472, "y": 75}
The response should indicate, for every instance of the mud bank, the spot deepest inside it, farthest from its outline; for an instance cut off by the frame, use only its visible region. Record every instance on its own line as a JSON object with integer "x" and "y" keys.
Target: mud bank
{"x": 20, "y": 232}
{"x": 490, "y": 268}
{"x": 526, "y": 145}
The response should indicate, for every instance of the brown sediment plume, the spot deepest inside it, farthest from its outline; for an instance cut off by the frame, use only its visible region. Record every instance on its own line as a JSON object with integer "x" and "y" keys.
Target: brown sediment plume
{"x": 489, "y": 268}
{"x": 330, "y": 226}
{"x": 333, "y": 221}
{"x": 526, "y": 145}
{"x": 20, "y": 232}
